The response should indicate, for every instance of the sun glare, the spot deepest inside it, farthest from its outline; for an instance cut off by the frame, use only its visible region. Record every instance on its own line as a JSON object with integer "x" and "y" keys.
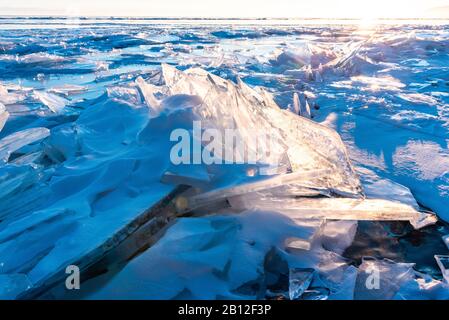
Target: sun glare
{"x": 365, "y": 10}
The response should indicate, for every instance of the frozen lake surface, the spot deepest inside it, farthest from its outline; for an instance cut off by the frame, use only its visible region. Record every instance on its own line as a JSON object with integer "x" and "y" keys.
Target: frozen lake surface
{"x": 79, "y": 159}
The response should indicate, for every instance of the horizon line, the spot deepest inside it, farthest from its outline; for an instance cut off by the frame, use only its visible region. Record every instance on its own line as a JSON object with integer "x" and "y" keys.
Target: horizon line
{"x": 40, "y": 16}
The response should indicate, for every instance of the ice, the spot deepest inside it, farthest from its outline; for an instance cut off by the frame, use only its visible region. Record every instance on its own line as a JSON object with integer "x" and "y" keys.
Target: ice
{"x": 8, "y": 98}
{"x": 209, "y": 257}
{"x": 203, "y": 200}
{"x": 305, "y": 110}
{"x": 307, "y": 145}
{"x": 40, "y": 58}
{"x": 295, "y": 106}
{"x": 148, "y": 92}
{"x": 443, "y": 264}
{"x": 191, "y": 175}
{"x": 418, "y": 98}
{"x": 17, "y": 140}
{"x": 299, "y": 282}
{"x": 301, "y": 107}
{"x": 307, "y": 240}
{"x": 12, "y": 285}
{"x": 346, "y": 289}
{"x": 337, "y": 236}
{"x": 28, "y": 158}
{"x": 81, "y": 193}
{"x": 382, "y": 279}
{"x": 128, "y": 95}
{"x": 4, "y": 115}
{"x": 318, "y": 293}
{"x": 428, "y": 161}
{"x": 424, "y": 287}
{"x": 342, "y": 209}
{"x": 354, "y": 64}
{"x": 379, "y": 187}
{"x": 68, "y": 90}
{"x": 55, "y": 103}
{"x": 446, "y": 240}
{"x": 304, "y": 54}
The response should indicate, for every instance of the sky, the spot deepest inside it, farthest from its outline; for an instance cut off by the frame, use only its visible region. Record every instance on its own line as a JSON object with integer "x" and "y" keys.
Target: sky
{"x": 363, "y": 9}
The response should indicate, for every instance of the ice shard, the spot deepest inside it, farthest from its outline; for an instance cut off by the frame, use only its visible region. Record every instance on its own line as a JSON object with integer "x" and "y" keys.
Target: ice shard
{"x": 339, "y": 209}
{"x": 443, "y": 264}
{"x": 192, "y": 175}
{"x": 295, "y": 106}
{"x": 302, "y": 55}
{"x": 11, "y": 285}
{"x": 299, "y": 281}
{"x": 8, "y": 98}
{"x": 40, "y": 58}
{"x": 225, "y": 105}
{"x": 202, "y": 200}
{"x": 4, "y": 115}
{"x": 301, "y": 106}
{"x": 315, "y": 154}
{"x": 19, "y": 139}
{"x": 446, "y": 240}
{"x": 55, "y": 103}
{"x": 316, "y": 293}
{"x": 337, "y": 236}
{"x": 103, "y": 179}
{"x": 68, "y": 89}
{"x": 345, "y": 290}
{"x": 424, "y": 287}
{"x": 305, "y": 109}
{"x": 382, "y": 279}
{"x": 126, "y": 95}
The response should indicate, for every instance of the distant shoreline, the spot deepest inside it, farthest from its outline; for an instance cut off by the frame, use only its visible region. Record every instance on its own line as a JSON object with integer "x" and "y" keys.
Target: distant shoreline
{"x": 45, "y": 17}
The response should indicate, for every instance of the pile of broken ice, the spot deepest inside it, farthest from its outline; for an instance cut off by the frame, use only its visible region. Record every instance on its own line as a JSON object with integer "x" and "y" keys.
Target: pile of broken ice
{"x": 288, "y": 216}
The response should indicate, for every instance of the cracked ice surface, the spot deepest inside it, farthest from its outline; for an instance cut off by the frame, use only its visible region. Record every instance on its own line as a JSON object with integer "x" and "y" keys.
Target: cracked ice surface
{"x": 85, "y": 117}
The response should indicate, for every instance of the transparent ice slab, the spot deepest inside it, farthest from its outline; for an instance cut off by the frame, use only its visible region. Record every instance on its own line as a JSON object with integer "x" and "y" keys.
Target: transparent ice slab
{"x": 210, "y": 197}
{"x": 305, "y": 242}
{"x": 337, "y": 236}
{"x": 68, "y": 89}
{"x": 299, "y": 281}
{"x": 19, "y": 139}
{"x": 443, "y": 263}
{"x": 424, "y": 287}
{"x": 55, "y": 103}
{"x": 316, "y": 293}
{"x": 4, "y": 115}
{"x": 8, "y": 98}
{"x": 338, "y": 209}
{"x": 192, "y": 175}
{"x": 226, "y": 105}
{"x": 127, "y": 95}
{"x": 446, "y": 240}
{"x": 382, "y": 279}
{"x": 149, "y": 92}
